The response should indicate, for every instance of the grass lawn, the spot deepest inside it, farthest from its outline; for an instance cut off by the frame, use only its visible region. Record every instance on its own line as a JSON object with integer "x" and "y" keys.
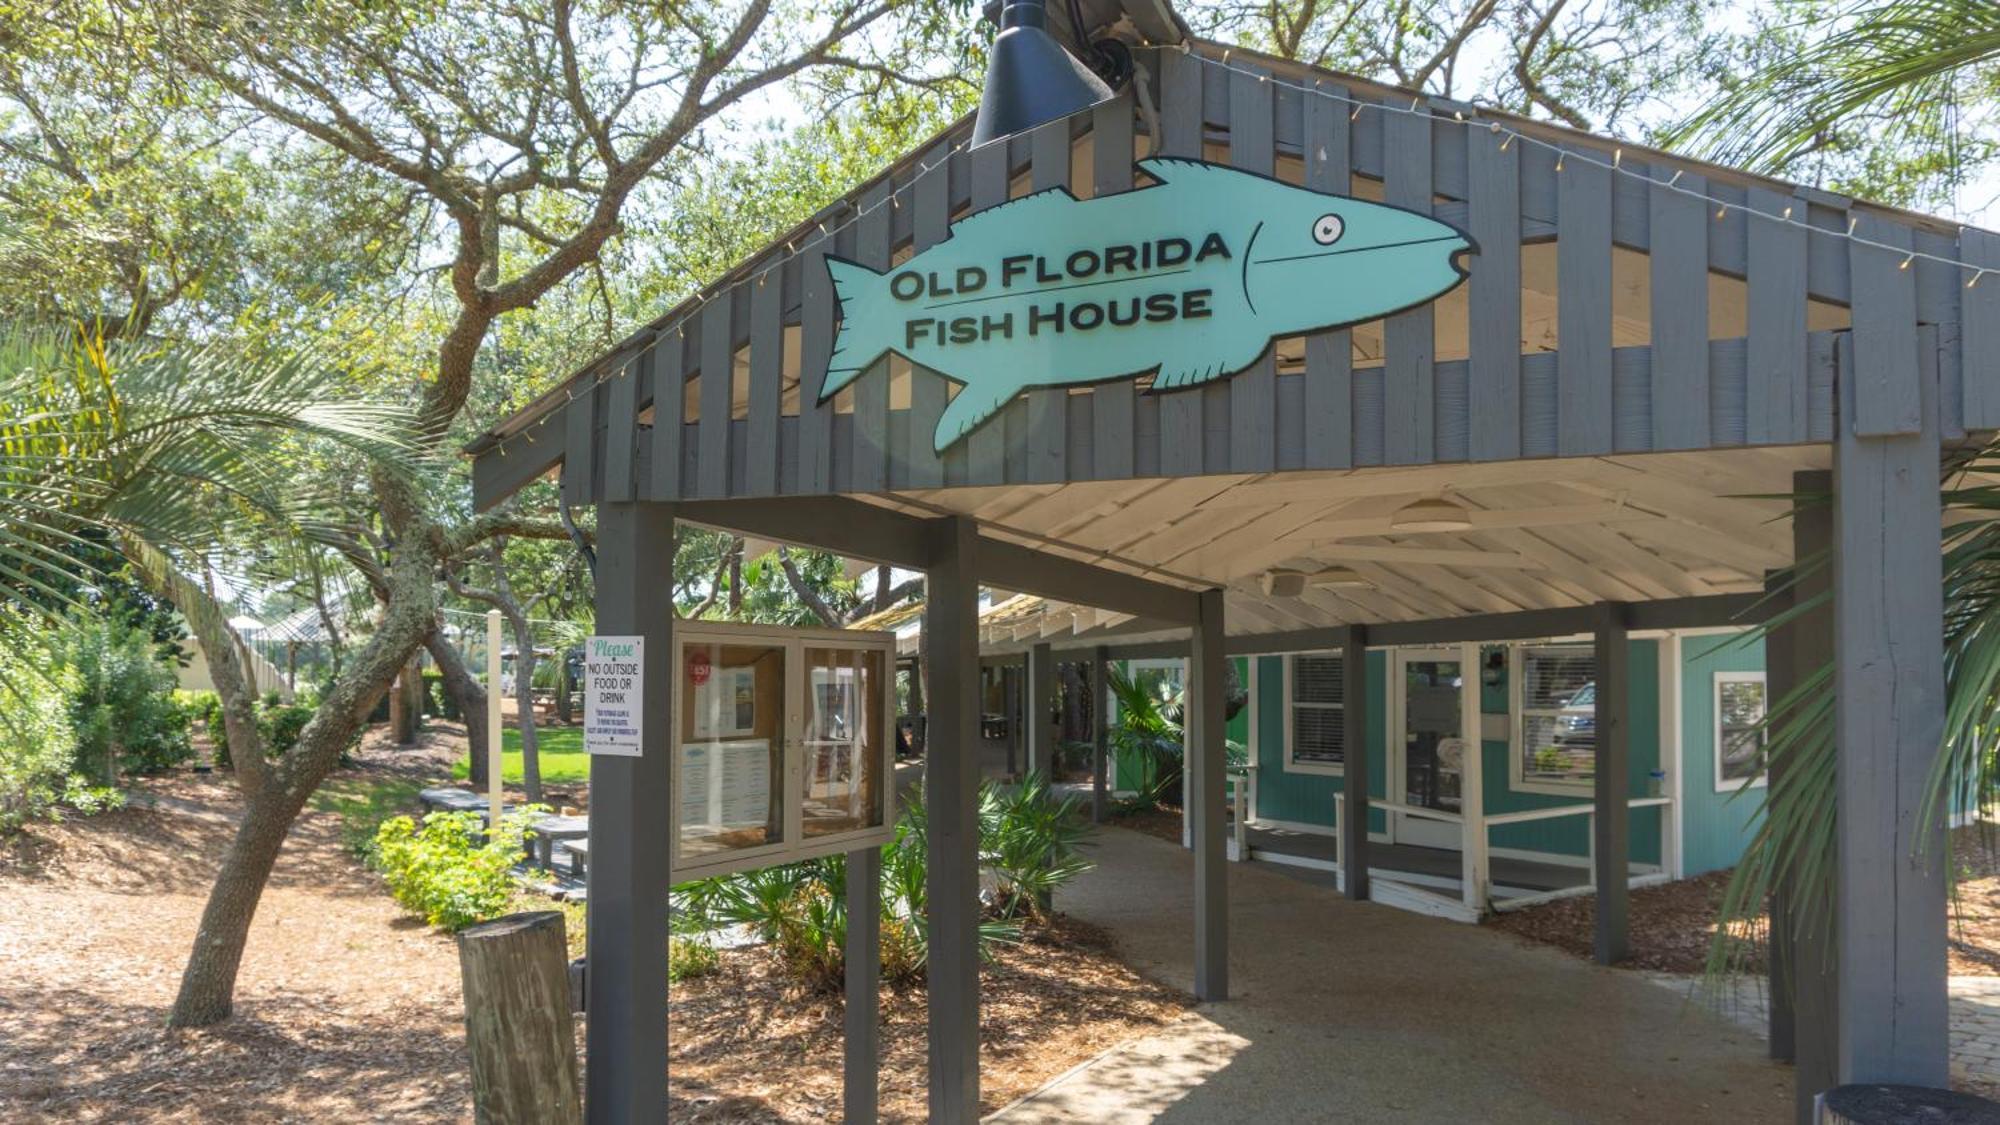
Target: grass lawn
{"x": 559, "y": 748}
{"x": 363, "y": 803}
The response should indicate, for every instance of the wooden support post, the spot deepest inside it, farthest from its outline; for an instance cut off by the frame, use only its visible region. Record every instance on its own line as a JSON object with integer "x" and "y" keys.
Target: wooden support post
{"x": 1041, "y": 732}
{"x": 1010, "y": 694}
{"x": 1100, "y": 712}
{"x": 951, "y": 791}
{"x": 1206, "y": 763}
{"x": 1354, "y": 779}
{"x": 1611, "y": 826}
{"x": 518, "y": 1029}
{"x": 1474, "y": 874}
{"x": 1780, "y": 677}
{"x": 627, "y": 936}
{"x": 1815, "y": 1002}
{"x": 1888, "y": 631}
{"x": 863, "y": 1044}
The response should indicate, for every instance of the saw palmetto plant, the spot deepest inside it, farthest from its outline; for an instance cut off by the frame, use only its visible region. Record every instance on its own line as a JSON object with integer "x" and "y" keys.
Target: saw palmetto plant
{"x": 1794, "y": 846}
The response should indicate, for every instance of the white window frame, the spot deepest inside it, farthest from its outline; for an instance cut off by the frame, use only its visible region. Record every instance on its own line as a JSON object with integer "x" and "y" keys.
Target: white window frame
{"x": 1723, "y": 785}
{"x": 1517, "y": 778}
{"x": 1323, "y": 769}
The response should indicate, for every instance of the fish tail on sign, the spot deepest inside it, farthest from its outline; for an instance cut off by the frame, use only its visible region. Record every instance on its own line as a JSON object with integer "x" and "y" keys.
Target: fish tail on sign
{"x": 868, "y": 323}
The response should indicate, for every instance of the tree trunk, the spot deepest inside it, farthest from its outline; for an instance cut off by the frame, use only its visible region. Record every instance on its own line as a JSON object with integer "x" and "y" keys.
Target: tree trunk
{"x": 208, "y": 985}
{"x": 413, "y": 700}
{"x": 565, "y": 687}
{"x": 467, "y": 695}
{"x": 524, "y": 700}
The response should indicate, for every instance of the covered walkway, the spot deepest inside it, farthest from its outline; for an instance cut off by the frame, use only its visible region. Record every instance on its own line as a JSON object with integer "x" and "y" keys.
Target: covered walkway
{"x": 1343, "y": 1011}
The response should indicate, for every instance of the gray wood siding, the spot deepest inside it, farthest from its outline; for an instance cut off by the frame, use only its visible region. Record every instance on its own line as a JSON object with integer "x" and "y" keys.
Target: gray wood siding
{"x": 1682, "y": 390}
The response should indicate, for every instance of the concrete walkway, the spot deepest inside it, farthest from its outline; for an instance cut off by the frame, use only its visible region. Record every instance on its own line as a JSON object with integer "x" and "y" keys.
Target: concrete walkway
{"x": 1344, "y": 1011}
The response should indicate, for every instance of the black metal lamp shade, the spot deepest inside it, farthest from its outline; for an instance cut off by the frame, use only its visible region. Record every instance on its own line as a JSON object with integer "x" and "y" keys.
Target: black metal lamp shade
{"x": 1030, "y": 79}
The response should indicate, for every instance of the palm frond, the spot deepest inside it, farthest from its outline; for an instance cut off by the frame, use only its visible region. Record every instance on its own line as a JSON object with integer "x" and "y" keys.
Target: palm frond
{"x": 1891, "y": 62}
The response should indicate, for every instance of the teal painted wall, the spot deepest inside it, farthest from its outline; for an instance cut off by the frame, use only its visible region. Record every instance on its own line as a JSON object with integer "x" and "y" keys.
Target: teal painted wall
{"x": 1717, "y": 826}
{"x": 1308, "y": 798}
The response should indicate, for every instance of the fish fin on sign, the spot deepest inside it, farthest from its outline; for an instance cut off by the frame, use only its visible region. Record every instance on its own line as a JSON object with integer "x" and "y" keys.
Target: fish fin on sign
{"x": 1187, "y": 373}
{"x": 1015, "y": 215}
{"x": 867, "y": 323}
{"x": 967, "y": 410}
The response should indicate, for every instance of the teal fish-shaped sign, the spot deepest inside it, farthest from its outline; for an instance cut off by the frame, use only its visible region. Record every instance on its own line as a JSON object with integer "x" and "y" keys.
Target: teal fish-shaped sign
{"x": 1190, "y": 279}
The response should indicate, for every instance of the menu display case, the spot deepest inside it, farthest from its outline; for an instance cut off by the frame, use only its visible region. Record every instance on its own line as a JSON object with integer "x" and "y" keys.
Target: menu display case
{"x": 783, "y": 747}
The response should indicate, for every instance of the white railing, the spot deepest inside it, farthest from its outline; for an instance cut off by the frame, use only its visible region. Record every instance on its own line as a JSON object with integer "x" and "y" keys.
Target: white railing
{"x": 1475, "y": 876}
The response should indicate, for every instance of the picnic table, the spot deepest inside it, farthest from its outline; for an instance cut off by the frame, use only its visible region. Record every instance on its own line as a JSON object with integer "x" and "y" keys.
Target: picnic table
{"x": 450, "y": 798}
{"x": 549, "y": 829}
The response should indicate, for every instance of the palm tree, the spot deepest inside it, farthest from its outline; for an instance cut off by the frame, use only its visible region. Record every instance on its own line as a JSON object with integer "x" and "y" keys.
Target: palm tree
{"x": 1892, "y": 67}
{"x": 158, "y": 455}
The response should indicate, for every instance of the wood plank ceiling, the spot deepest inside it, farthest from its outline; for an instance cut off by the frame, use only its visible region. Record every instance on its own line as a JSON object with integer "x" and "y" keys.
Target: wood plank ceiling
{"x": 1544, "y": 534}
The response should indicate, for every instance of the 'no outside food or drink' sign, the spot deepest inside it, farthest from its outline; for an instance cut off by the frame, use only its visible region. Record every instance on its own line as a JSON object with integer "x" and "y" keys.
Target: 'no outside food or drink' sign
{"x": 614, "y": 677}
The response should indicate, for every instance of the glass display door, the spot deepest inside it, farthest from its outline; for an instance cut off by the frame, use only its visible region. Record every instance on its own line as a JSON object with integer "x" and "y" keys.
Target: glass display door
{"x": 1429, "y": 744}
{"x": 783, "y": 746}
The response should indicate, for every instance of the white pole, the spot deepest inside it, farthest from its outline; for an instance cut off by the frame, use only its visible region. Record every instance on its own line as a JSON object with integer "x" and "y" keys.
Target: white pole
{"x": 493, "y": 718}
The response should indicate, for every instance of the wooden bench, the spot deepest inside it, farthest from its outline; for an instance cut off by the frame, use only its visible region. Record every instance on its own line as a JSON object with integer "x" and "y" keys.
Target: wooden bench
{"x": 578, "y": 855}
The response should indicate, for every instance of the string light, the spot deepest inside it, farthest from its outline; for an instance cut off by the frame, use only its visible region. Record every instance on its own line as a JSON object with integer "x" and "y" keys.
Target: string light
{"x": 1560, "y": 157}
{"x": 1975, "y": 279}
{"x": 1906, "y": 262}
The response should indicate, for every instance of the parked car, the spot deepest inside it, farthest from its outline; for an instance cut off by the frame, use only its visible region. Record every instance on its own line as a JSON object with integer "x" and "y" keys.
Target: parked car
{"x": 1577, "y": 721}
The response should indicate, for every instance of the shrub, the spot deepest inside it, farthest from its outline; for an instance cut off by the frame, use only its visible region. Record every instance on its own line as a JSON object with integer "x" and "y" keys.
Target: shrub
{"x": 689, "y": 959}
{"x": 278, "y": 721}
{"x": 449, "y": 871}
{"x": 122, "y": 706}
{"x": 1027, "y": 844}
{"x": 37, "y": 741}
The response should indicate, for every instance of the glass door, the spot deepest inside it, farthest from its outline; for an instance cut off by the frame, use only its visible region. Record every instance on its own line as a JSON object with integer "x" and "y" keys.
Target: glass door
{"x": 729, "y": 775}
{"x": 1430, "y": 746}
{"x": 845, "y": 738}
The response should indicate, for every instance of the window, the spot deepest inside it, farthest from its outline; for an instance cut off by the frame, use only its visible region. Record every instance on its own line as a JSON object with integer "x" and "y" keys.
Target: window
{"x": 1315, "y": 713}
{"x": 1555, "y": 734}
{"x": 1739, "y": 730}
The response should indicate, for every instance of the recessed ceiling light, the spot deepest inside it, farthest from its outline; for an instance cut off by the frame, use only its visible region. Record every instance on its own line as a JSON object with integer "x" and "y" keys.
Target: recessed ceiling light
{"x": 1432, "y": 513}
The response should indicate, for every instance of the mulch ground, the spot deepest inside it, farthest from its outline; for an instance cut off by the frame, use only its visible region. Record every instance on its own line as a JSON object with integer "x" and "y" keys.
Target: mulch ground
{"x": 747, "y": 1047}
{"x": 1673, "y": 924}
{"x": 347, "y": 1010}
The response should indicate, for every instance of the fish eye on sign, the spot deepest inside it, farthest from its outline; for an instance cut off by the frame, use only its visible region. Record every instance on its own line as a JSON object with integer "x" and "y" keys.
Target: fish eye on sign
{"x": 1189, "y": 279}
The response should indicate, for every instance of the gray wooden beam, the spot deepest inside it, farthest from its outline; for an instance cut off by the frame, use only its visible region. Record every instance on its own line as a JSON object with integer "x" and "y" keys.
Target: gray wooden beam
{"x": 1041, "y": 702}
{"x": 830, "y": 523}
{"x": 1780, "y": 678}
{"x": 523, "y": 458}
{"x": 951, "y": 794}
{"x": 1012, "y": 566}
{"x": 1815, "y": 1002}
{"x": 1612, "y": 839}
{"x": 627, "y": 979}
{"x": 1354, "y": 743}
{"x": 1100, "y": 730}
{"x": 1206, "y": 761}
{"x": 1888, "y": 712}
{"x": 862, "y": 1044}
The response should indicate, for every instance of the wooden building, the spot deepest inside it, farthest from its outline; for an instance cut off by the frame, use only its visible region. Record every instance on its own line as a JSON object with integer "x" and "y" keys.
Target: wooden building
{"x": 1643, "y": 346}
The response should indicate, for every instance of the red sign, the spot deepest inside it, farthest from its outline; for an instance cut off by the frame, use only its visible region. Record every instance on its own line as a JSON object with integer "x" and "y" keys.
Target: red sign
{"x": 698, "y": 668}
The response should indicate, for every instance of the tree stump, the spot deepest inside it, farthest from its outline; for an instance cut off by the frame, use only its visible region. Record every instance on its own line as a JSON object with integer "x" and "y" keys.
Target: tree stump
{"x": 518, "y": 1027}
{"x": 1904, "y": 1105}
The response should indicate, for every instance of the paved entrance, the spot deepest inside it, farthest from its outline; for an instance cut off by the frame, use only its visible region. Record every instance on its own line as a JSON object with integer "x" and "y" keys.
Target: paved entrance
{"x": 1346, "y": 1011}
